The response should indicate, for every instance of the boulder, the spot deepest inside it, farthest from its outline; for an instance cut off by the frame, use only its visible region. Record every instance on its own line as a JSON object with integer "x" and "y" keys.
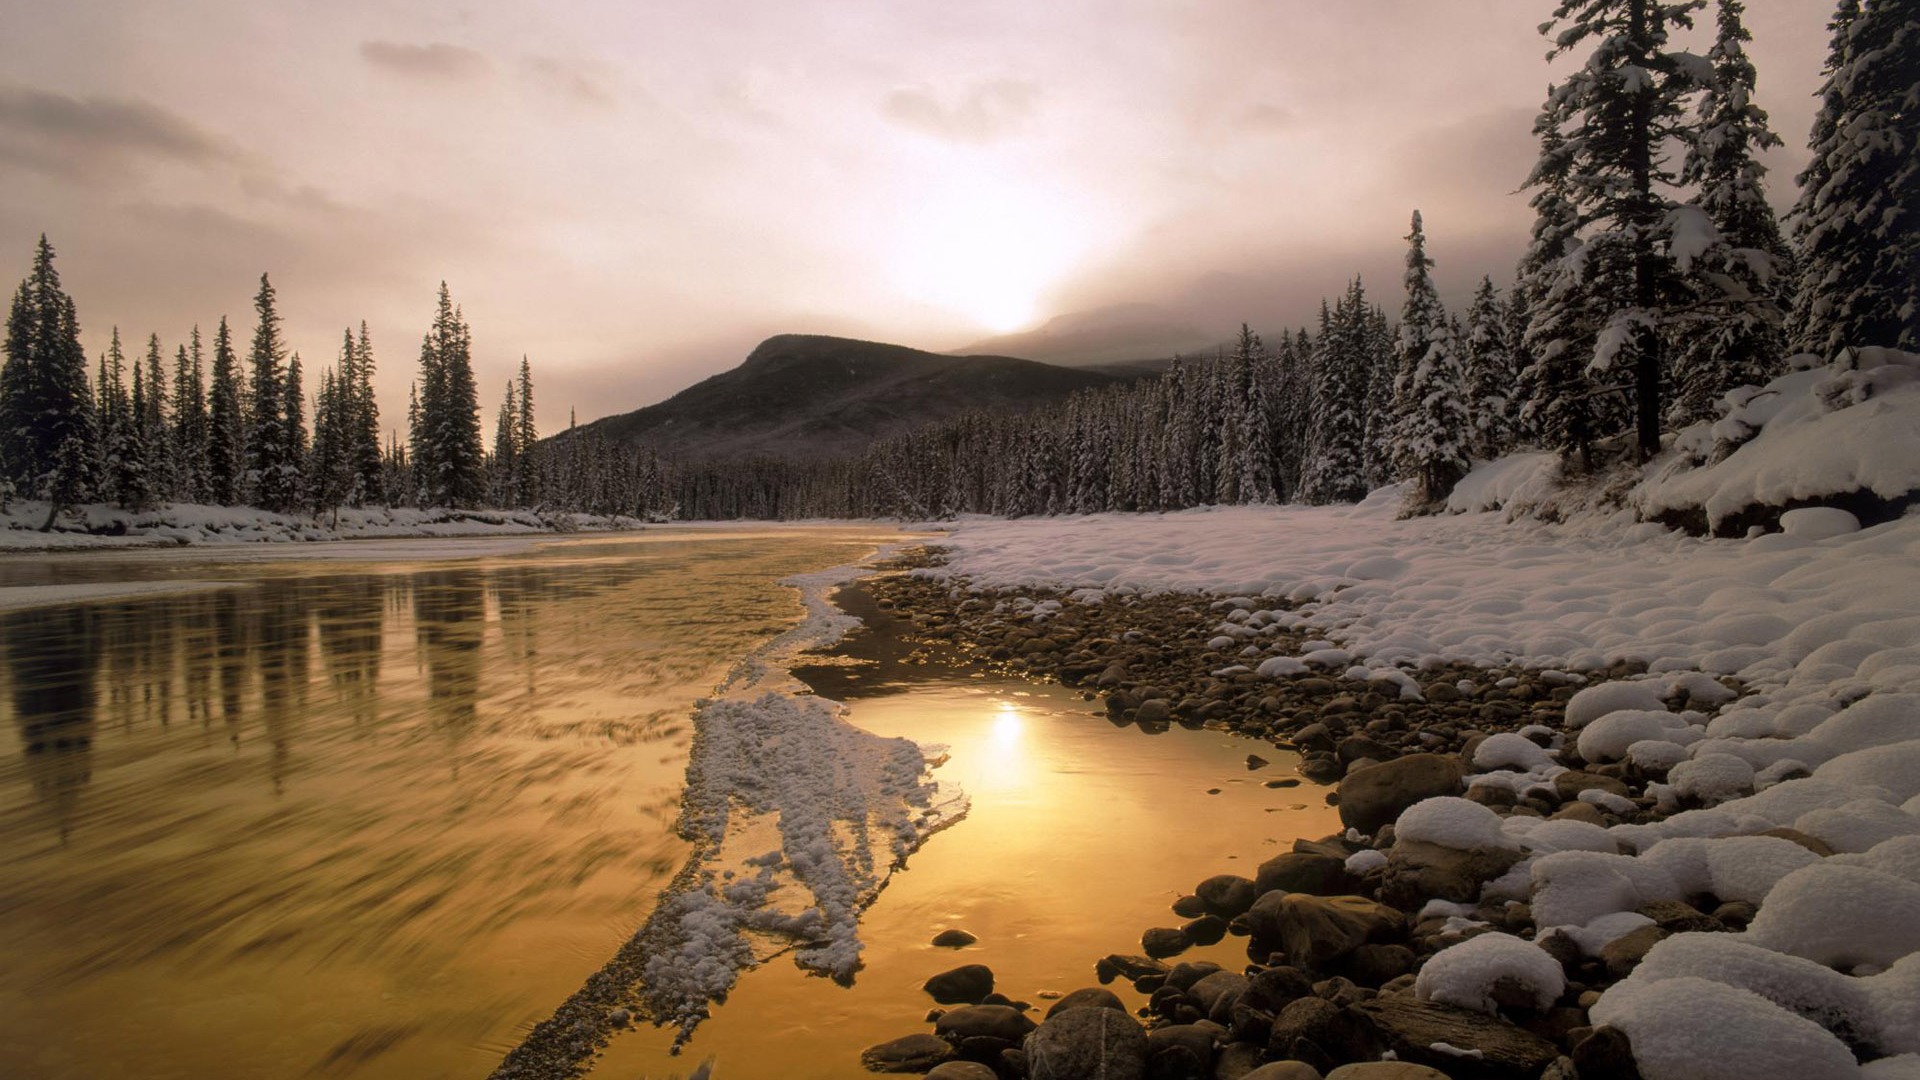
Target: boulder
{"x": 1128, "y": 967}
{"x": 1227, "y": 895}
{"x": 1410, "y": 1028}
{"x": 1283, "y": 1070}
{"x": 962, "y": 1070}
{"x": 1315, "y": 931}
{"x": 1087, "y": 1044}
{"x": 1164, "y": 941}
{"x": 1321, "y": 875}
{"x": 1374, "y": 795}
{"x": 1418, "y": 871}
{"x": 982, "y": 1021}
{"x": 908, "y": 1054}
{"x": 964, "y": 985}
{"x": 1237, "y": 1061}
{"x": 1220, "y": 986}
{"x": 1092, "y": 997}
{"x": 1385, "y": 1070}
{"x": 953, "y": 939}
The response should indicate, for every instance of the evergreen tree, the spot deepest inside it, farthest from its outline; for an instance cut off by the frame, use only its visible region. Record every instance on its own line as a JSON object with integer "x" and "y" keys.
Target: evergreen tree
{"x": 331, "y": 472}
{"x": 1625, "y": 106}
{"x": 191, "y": 430}
{"x": 1855, "y": 223}
{"x": 362, "y": 429}
{"x": 448, "y": 456}
{"x": 125, "y": 464}
{"x": 1556, "y": 400}
{"x": 1740, "y": 280}
{"x": 526, "y": 480}
{"x": 1430, "y": 416}
{"x": 271, "y": 478}
{"x": 287, "y": 483}
{"x": 49, "y": 435}
{"x": 1334, "y": 470}
{"x": 1489, "y": 373}
{"x": 226, "y": 424}
{"x": 154, "y": 431}
{"x": 506, "y": 456}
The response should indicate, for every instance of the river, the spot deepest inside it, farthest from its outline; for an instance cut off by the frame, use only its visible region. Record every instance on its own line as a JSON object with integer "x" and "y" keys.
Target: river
{"x": 376, "y": 810}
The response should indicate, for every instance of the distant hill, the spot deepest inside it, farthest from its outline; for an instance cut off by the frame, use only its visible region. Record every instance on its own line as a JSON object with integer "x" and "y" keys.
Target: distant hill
{"x": 1113, "y": 339}
{"x": 803, "y": 395}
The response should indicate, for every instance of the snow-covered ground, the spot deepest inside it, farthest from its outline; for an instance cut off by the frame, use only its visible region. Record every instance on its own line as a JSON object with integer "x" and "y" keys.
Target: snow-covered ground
{"x": 98, "y": 525}
{"x": 1820, "y": 622}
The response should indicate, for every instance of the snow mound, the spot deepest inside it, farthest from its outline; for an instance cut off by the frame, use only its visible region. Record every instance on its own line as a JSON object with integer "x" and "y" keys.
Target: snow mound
{"x": 1573, "y": 888}
{"x": 1608, "y": 737}
{"x": 1451, "y": 822}
{"x": 1594, "y": 702}
{"x": 1506, "y": 750}
{"x": 1482, "y": 972}
{"x": 1841, "y": 916}
{"x": 1691, "y": 1028}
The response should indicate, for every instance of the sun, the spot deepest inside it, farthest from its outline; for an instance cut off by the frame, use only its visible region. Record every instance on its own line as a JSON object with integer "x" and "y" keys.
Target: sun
{"x": 987, "y": 251}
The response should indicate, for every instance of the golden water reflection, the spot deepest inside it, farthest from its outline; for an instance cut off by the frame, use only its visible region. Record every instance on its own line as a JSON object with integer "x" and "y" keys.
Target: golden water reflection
{"x": 368, "y": 821}
{"x": 1081, "y": 835}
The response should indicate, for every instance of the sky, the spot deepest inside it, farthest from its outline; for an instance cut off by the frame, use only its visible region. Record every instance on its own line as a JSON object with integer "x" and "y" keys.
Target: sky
{"x": 632, "y": 193}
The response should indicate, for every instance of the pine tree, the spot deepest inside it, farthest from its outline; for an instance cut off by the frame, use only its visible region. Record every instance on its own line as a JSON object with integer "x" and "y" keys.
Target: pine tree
{"x": 126, "y": 466}
{"x": 154, "y": 431}
{"x": 331, "y": 472}
{"x": 287, "y": 483}
{"x": 526, "y": 481}
{"x": 227, "y": 424}
{"x": 1551, "y": 383}
{"x": 1430, "y": 416}
{"x": 1489, "y": 373}
{"x": 191, "y": 429}
{"x": 1626, "y": 105}
{"x": 1855, "y": 223}
{"x": 49, "y": 434}
{"x": 363, "y": 425}
{"x": 270, "y": 475}
{"x": 1334, "y": 470}
{"x": 506, "y": 455}
{"x": 1738, "y": 282}
{"x": 448, "y": 457}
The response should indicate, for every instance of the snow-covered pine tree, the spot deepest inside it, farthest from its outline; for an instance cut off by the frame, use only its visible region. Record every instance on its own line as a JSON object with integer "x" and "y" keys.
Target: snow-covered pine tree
{"x": 363, "y": 430}
{"x": 1855, "y": 223}
{"x": 190, "y": 422}
{"x": 129, "y": 470}
{"x": 286, "y": 485}
{"x": 331, "y": 474}
{"x": 1738, "y": 282}
{"x": 1626, "y": 105}
{"x": 268, "y": 473}
{"x": 1555, "y": 341}
{"x": 226, "y": 424}
{"x": 49, "y": 431}
{"x": 448, "y": 456}
{"x": 1430, "y": 422}
{"x": 1489, "y": 373}
{"x": 162, "y": 461}
{"x": 506, "y": 457}
{"x": 1335, "y": 471}
{"x": 526, "y": 481}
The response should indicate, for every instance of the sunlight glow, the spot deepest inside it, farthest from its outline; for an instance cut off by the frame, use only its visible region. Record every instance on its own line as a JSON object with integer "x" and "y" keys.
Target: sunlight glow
{"x": 985, "y": 250}
{"x": 1007, "y": 726}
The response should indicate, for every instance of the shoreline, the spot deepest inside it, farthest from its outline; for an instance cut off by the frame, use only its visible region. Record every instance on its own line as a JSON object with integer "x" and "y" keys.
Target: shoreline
{"x": 1338, "y": 927}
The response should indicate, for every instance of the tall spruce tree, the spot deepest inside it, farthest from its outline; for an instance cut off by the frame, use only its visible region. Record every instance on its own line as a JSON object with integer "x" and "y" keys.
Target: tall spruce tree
{"x": 190, "y": 422}
{"x": 526, "y": 477}
{"x": 1334, "y": 470}
{"x": 1430, "y": 421}
{"x": 288, "y": 483}
{"x": 1489, "y": 373}
{"x": 269, "y": 475}
{"x": 1857, "y": 223}
{"x": 363, "y": 425}
{"x": 49, "y": 433}
{"x": 154, "y": 430}
{"x": 449, "y": 459}
{"x": 226, "y": 424}
{"x": 1739, "y": 282}
{"x": 1623, "y": 108}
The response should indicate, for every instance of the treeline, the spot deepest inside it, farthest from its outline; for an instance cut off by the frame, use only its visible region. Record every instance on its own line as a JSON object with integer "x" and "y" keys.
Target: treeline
{"x": 233, "y": 429}
{"x": 1656, "y": 281}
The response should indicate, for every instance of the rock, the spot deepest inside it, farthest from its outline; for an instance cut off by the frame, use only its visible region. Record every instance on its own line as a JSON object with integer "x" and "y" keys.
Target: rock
{"x": 1087, "y": 1044}
{"x": 1164, "y": 941}
{"x": 1315, "y": 738}
{"x": 1128, "y": 967}
{"x": 1092, "y": 997}
{"x": 1188, "y": 972}
{"x": 1190, "y": 907}
{"x": 1814, "y": 844}
{"x": 953, "y": 939}
{"x": 1308, "y": 1018}
{"x": 1322, "y": 768}
{"x": 962, "y": 1070}
{"x": 1356, "y": 748}
{"x": 1255, "y": 761}
{"x": 1227, "y": 895}
{"x": 620, "y": 1017}
{"x": 1736, "y": 914}
{"x": 1373, "y": 796}
{"x": 1418, "y": 871}
{"x": 1283, "y": 782}
{"x": 988, "y": 1021}
{"x": 1284, "y": 1070}
{"x": 1385, "y": 1070}
{"x": 1177, "y": 1063}
{"x": 908, "y": 1054}
{"x": 1569, "y": 785}
{"x": 1196, "y": 1039}
{"x": 1623, "y": 954}
{"x": 1237, "y": 1060}
{"x": 964, "y": 985}
{"x": 1316, "y": 930}
{"x": 1156, "y": 711}
{"x": 1373, "y": 965}
{"x": 1603, "y": 1053}
{"x": 1575, "y": 810}
{"x": 1409, "y": 1027}
{"x": 1220, "y": 986}
{"x": 1297, "y": 872}
{"x": 1272, "y": 988}
{"x": 1676, "y": 917}
{"x": 1205, "y": 930}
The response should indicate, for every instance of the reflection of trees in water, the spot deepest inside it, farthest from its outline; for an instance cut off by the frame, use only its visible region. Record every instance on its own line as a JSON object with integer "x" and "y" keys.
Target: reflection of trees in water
{"x": 450, "y": 616}
{"x": 284, "y": 651}
{"x": 350, "y": 612}
{"x": 52, "y": 656}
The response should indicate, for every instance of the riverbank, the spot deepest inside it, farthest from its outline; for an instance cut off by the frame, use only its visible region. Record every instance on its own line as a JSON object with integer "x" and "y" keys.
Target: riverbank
{"x": 1610, "y": 872}
{"x": 96, "y": 526}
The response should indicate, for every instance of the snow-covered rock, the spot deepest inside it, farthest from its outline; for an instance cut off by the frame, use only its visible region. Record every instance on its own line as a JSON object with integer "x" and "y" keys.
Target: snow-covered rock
{"x": 1488, "y": 970}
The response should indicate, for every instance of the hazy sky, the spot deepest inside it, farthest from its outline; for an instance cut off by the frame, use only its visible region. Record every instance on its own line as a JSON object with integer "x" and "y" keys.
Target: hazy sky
{"x": 633, "y": 192}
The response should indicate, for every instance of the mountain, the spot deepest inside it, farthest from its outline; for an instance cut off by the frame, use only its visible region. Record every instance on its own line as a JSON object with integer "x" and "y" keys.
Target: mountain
{"x": 804, "y": 395}
{"x": 1107, "y": 338}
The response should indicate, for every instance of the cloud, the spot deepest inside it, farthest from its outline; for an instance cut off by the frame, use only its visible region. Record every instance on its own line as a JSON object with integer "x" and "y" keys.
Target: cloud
{"x": 1263, "y": 118}
{"x": 436, "y": 61}
{"x": 83, "y": 137}
{"x": 984, "y": 113}
{"x": 568, "y": 80}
